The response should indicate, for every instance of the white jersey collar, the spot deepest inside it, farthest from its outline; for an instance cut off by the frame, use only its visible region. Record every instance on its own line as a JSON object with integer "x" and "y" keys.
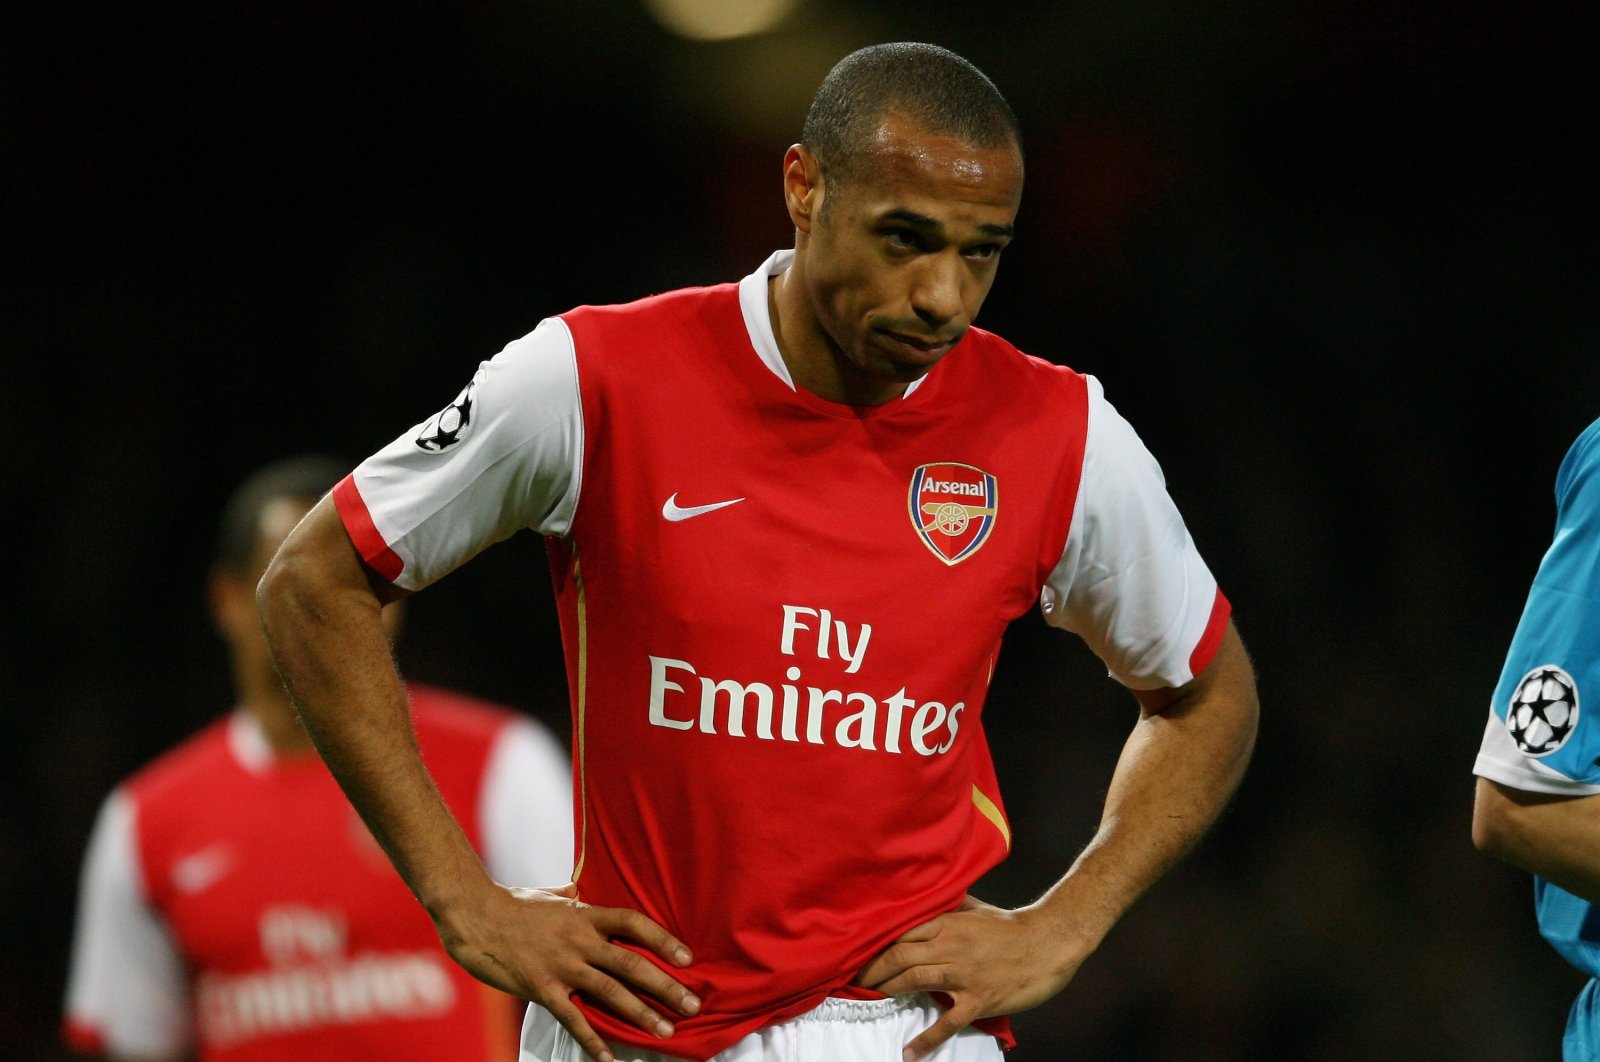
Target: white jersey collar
{"x": 249, "y": 745}
{"x": 249, "y": 742}
{"x": 758, "y": 319}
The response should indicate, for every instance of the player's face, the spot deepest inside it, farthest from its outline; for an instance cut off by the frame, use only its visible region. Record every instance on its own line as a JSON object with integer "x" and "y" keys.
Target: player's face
{"x": 899, "y": 261}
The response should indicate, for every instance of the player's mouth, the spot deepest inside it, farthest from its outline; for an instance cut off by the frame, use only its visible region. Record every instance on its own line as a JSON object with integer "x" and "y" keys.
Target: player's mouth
{"x": 918, "y": 350}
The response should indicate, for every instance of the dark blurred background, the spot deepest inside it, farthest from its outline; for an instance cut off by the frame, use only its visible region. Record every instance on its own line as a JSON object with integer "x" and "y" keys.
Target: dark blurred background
{"x": 1335, "y": 261}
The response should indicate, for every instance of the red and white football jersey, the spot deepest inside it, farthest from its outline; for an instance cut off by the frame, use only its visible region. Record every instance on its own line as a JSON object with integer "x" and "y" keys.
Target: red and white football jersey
{"x": 780, "y": 614}
{"x": 233, "y": 905}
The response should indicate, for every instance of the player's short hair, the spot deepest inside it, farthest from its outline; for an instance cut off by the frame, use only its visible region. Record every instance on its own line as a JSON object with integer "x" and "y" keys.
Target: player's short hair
{"x": 931, "y": 85}
{"x": 307, "y": 476}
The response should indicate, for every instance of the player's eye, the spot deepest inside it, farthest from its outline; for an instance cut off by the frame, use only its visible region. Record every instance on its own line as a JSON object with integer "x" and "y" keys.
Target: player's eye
{"x": 988, "y": 250}
{"x": 905, "y": 240}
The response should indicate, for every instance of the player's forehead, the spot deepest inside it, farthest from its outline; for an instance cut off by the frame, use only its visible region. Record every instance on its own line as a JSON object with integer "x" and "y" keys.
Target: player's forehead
{"x": 277, "y": 518}
{"x": 279, "y": 515}
{"x": 904, "y": 165}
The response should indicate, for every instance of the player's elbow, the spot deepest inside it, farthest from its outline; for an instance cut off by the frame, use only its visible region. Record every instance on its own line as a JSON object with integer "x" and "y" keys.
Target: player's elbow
{"x": 279, "y": 589}
{"x": 294, "y": 594}
{"x": 314, "y": 566}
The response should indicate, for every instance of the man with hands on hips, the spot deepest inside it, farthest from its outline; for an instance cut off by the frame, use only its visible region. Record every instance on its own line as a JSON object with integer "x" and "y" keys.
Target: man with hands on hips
{"x": 788, "y": 521}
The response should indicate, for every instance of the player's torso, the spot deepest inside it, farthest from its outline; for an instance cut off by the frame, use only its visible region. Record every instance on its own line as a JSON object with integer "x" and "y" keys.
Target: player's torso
{"x": 299, "y": 935}
{"x": 789, "y": 613}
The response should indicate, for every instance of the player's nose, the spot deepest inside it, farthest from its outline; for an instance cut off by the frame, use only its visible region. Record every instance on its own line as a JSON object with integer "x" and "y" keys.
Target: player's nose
{"x": 936, "y": 293}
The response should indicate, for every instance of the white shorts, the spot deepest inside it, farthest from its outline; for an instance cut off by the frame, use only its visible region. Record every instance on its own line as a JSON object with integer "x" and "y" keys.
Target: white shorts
{"x": 857, "y": 1030}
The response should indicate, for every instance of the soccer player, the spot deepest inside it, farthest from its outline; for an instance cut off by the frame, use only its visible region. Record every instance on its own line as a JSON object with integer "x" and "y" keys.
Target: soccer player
{"x": 788, "y": 521}
{"x": 234, "y": 907}
{"x": 1538, "y": 788}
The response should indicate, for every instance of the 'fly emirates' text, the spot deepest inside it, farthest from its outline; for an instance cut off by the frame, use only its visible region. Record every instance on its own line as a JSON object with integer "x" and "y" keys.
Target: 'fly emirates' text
{"x": 796, "y": 713}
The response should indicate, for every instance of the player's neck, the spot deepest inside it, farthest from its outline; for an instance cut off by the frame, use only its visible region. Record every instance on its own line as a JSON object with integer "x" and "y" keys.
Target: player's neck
{"x": 813, "y": 362}
{"x": 273, "y": 711}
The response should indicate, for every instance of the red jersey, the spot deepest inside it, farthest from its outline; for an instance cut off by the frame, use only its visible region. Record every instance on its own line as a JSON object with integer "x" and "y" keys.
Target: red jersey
{"x": 781, "y": 615}
{"x": 234, "y": 905}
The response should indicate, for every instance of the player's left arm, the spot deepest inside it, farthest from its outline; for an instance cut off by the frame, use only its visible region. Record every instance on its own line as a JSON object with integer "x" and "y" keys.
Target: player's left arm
{"x": 1182, "y": 762}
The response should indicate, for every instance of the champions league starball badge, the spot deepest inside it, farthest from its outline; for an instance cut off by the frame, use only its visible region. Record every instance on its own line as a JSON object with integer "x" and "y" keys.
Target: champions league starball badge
{"x": 451, "y": 425}
{"x": 952, "y": 508}
{"x": 1543, "y": 711}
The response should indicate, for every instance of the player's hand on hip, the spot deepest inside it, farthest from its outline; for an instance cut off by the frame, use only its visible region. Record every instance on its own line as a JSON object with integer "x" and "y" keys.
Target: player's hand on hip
{"x": 545, "y": 944}
{"x": 985, "y": 959}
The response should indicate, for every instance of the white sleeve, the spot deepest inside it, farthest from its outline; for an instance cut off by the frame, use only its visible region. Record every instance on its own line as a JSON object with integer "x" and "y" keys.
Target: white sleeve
{"x": 126, "y": 989}
{"x": 1130, "y": 582}
{"x": 1501, "y": 761}
{"x": 506, "y": 454}
{"x": 526, "y": 807}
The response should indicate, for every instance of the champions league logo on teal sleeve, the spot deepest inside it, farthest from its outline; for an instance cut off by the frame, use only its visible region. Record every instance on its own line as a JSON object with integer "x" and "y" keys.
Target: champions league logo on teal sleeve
{"x": 1543, "y": 711}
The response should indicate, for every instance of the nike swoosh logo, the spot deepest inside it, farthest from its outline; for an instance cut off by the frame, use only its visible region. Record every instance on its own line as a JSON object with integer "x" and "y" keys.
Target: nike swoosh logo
{"x": 674, "y": 512}
{"x": 200, "y": 870}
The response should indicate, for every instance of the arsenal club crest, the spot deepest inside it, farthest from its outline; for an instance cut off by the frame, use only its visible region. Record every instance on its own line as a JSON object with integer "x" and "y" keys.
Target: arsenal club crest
{"x": 952, "y": 507}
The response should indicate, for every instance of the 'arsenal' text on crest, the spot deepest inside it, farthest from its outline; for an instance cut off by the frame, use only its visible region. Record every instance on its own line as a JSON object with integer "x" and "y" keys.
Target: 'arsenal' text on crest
{"x": 952, "y": 508}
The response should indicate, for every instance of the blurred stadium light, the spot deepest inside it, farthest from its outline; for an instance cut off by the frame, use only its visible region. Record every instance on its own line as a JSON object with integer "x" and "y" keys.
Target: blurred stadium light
{"x": 718, "y": 20}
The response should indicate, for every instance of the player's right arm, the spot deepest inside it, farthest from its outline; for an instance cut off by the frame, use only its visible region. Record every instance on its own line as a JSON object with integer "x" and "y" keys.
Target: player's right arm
{"x": 1556, "y": 837}
{"x": 321, "y": 608}
{"x": 1537, "y": 802}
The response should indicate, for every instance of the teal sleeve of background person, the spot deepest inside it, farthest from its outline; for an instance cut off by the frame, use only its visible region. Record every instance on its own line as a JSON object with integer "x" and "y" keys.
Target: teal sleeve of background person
{"x": 1560, "y": 629}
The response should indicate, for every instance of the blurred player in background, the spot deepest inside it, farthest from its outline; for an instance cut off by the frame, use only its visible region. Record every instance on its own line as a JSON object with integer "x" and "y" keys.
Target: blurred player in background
{"x": 1538, "y": 789}
{"x": 789, "y": 521}
{"x": 233, "y": 906}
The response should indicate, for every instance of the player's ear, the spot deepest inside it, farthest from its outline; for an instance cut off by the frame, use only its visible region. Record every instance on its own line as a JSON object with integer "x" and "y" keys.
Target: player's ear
{"x": 802, "y": 186}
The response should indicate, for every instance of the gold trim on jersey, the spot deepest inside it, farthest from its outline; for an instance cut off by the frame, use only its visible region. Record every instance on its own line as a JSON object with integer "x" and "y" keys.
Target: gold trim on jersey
{"x": 991, "y": 811}
{"x": 583, "y": 701}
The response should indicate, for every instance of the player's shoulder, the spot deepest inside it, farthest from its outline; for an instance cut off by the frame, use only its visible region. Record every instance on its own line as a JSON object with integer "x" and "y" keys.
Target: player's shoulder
{"x": 991, "y": 364}
{"x": 996, "y": 350}
{"x": 1589, "y": 440}
{"x": 619, "y": 348}
{"x": 1581, "y": 464}
{"x": 196, "y": 764}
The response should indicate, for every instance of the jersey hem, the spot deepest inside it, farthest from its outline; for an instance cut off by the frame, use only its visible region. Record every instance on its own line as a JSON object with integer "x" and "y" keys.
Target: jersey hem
{"x": 1211, "y": 639}
{"x": 1528, "y": 782}
{"x": 363, "y": 532}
